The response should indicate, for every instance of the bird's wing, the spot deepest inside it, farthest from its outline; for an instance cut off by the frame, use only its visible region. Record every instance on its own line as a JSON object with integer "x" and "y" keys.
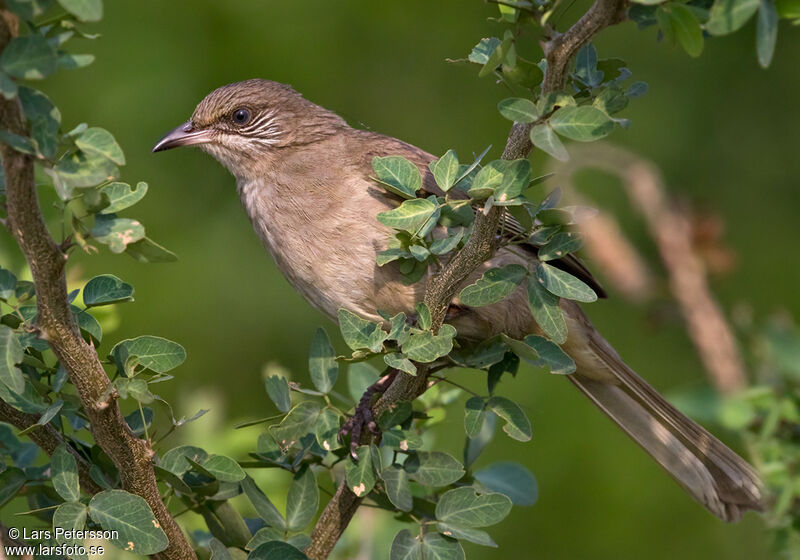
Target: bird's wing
{"x": 384, "y": 146}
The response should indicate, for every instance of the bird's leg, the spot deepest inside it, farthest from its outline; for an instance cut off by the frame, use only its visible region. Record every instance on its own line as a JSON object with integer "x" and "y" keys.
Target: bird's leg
{"x": 363, "y": 415}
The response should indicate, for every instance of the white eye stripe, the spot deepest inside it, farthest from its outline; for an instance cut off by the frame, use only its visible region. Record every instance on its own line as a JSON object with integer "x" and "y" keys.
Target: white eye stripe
{"x": 265, "y": 119}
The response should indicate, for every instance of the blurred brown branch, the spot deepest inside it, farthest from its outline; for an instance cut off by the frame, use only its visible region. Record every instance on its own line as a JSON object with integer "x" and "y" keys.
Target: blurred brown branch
{"x": 672, "y": 230}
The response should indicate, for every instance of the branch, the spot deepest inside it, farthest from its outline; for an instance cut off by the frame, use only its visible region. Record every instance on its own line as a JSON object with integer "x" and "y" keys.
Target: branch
{"x": 131, "y": 455}
{"x": 672, "y": 232}
{"x": 479, "y": 248}
{"x": 48, "y": 439}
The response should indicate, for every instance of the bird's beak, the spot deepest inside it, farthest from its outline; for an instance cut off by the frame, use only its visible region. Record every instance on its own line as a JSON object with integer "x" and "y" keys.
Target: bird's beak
{"x": 184, "y": 135}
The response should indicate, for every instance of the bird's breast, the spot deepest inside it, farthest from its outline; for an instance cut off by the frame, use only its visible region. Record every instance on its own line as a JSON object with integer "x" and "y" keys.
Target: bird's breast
{"x": 326, "y": 247}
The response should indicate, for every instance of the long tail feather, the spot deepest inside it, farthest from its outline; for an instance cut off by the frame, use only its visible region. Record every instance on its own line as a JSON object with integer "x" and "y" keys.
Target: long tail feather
{"x": 706, "y": 468}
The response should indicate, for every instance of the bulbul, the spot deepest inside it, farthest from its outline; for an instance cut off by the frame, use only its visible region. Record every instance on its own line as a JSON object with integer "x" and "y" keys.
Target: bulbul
{"x": 303, "y": 175}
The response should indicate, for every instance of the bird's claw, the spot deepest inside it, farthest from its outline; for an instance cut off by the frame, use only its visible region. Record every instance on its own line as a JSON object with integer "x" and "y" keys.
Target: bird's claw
{"x": 363, "y": 415}
{"x": 354, "y": 426}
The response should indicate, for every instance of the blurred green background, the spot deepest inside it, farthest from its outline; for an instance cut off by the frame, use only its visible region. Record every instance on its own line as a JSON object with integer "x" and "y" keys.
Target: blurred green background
{"x": 724, "y": 132}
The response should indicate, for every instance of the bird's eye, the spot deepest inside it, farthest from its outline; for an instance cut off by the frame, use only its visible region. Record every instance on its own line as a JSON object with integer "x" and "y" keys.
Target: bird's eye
{"x": 240, "y": 116}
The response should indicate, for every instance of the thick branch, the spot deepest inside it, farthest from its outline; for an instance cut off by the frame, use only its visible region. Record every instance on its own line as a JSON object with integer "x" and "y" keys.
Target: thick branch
{"x": 131, "y": 455}
{"x": 481, "y": 246}
{"x": 48, "y": 438}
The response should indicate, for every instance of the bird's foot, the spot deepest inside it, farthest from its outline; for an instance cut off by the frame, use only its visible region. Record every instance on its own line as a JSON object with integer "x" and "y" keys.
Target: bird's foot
{"x": 363, "y": 415}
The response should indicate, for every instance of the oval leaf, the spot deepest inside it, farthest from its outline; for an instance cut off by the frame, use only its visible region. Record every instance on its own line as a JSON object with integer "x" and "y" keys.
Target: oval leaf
{"x": 585, "y": 123}
{"x": 132, "y": 519}
{"x": 517, "y": 424}
{"x": 465, "y": 507}
{"x": 106, "y": 289}
{"x": 303, "y": 500}
{"x": 564, "y": 284}
{"x": 495, "y": 285}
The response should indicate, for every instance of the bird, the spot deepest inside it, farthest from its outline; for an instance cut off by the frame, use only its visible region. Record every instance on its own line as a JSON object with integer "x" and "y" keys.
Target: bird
{"x": 304, "y": 178}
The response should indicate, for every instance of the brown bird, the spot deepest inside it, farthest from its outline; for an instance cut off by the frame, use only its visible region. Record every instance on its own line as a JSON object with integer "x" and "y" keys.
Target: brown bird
{"x": 303, "y": 176}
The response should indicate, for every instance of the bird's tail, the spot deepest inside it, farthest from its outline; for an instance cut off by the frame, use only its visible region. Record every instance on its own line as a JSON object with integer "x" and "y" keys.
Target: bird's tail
{"x": 706, "y": 468}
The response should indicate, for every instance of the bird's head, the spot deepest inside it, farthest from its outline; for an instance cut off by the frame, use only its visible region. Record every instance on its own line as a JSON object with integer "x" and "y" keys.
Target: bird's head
{"x": 244, "y": 124}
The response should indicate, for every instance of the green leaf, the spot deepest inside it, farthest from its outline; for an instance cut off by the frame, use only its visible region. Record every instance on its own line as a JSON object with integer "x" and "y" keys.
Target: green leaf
{"x": 11, "y": 481}
{"x": 115, "y": 232}
{"x": 11, "y": 354}
{"x": 404, "y": 440}
{"x": 560, "y": 245}
{"x": 151, "y": 352}
{"x": 410, "y": 216}
{"x": 278, "y": 391}
{"x": 495, "y": 285}
{"x": 466, "y": 534}
{"x": 85, "y": 170}
{"x": 64, "y": 472}
{"x": 30, "y": 57}
{"x": 517, "y": 425}
{"x": 481, "y": 52}
{"x": 444, "y": 245}
{"x": 264, "y": 535}
{"x": 434, "y": 468}
{"x": 299, "y": 422}
{"x": 175, "y": 461}
{"x": 611, "y": 100}
{"x": 27, "y": 401}
{"x": 466, "y": 508}
{"x": 101, "y": 142}
{"x": 517, "y": 109}
{"x": 586, "y": 66}
{"x": 543, "y": 137}
{"x": 399, "y": 361}
{"x": 218, "y": 550}
{"x": 44, "y": 117}
{"x": 359, "y": 333}
{"x": 396, "y": 415}
{"x": 398, "y": 172}
{"x": 121, "y": 196}
{"x": 423, "y": 316}
{"x": 129, "y": 515}
{"x": 106, "y": 289}
{"x": 69, "y": 517}
{"x": 766, "y": 32}
{"x": 322, "y": 362}
{"x": 398, "y": 488}
{"x": 546, "y": 311}
{"x": 87, "y": 323}
{"x": 727, "y": 16}
{"x": 550, "y": 355}
{"x": 564, "y": 284}
{"x": 431, "y": 546}
{"x": 474, "y": 416}
{"x": 69, "y": 61}
{"x": 148, "y": 251}
{"x": 29, "y": 9}
{"x": 510, "y": 479}
{"x": 303, "y": 500}
{"x": 687, "y": 29}
{"x": 445, "y": 170}
{"x": 276, "y": 550}
{"x": 84, "y": 10}
{"x": 425, "y": 347}
{"x": 327, "y": 428}
{"x": 223, "y": 468}
{"x": 584, "y": 123}
{"x": 361, "y": 474}
{"x": 22, "y": 144}
{"x": 8, "y": 284}
{"x": 264, "y": 507}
